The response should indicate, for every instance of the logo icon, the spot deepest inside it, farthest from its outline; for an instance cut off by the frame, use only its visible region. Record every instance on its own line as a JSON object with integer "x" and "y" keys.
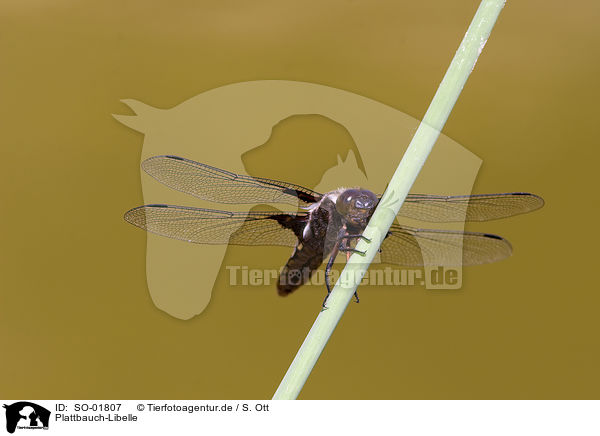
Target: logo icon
{"x": 26, "y": 415}
{"x": 336, "y": 138}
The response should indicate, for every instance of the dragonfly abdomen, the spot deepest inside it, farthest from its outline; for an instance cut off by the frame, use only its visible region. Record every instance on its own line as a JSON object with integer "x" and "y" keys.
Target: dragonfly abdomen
{"x": 298, "y": 269}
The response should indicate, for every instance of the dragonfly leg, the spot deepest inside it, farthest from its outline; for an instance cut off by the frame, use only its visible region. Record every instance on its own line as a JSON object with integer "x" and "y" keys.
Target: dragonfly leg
{"x": 388, "y": 234}
{"x": 364, "y": 238}
{"x": 343, "y": 246}
{"x": 352, "y": 250}
{"x": 327, "y": 274}
{"x": 347, "y": 259}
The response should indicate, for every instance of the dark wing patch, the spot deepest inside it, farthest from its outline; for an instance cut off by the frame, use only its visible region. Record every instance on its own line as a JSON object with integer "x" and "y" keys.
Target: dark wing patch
{"x": 409, "y": 246}
{"x": 220, "y": 186}
{"x": 457, "y": 208}
{"x": 207, "y": 226}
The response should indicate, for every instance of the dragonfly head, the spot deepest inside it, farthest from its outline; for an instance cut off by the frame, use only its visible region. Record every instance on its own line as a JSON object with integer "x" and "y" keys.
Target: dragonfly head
{"x": 356, "y": 205}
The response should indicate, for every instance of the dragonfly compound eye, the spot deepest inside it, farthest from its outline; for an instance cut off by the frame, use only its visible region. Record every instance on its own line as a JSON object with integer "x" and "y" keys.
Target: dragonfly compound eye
{"x": 346, "y": 201}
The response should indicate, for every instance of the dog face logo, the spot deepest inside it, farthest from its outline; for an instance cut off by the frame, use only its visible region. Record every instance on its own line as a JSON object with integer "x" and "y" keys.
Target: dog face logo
{"x": 26, "y": 415}
{"x": 239, "y": 126}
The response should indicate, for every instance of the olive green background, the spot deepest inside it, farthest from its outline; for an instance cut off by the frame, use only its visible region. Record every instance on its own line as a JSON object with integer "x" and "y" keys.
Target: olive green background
{"x": 76, "y": 316}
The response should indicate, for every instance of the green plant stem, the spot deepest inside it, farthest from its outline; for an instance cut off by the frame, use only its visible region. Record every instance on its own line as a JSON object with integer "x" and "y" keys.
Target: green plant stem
{"x": 398, "y": 188}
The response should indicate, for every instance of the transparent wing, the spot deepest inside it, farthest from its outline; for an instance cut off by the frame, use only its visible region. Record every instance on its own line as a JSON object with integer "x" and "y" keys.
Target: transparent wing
{"x": 482, "y": 207}
{"x": 405, "y": 245}
{"x": 207, "y": 226}
{"x": 220, "y": 186}
{"x": 409, "y": 246}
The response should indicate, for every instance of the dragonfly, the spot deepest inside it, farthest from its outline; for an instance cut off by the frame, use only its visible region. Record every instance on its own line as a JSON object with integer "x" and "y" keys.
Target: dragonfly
{"x": 323, "y": 225}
